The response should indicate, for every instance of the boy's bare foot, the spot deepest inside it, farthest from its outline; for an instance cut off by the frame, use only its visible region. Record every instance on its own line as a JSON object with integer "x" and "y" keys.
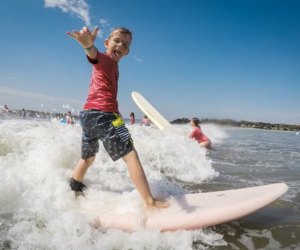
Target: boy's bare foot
{"x": 157, "y": 204}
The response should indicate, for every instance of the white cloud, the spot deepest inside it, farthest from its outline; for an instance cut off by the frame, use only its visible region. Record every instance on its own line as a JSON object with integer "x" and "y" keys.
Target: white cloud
{"x": 22, "y": 93}
{"x": 66, "y": 106}
{"x": 103, "y": 26}
{"x": 138, "y": 59}
{"x": 103, "y": 22}
{"x": 79, "y": 8}
{"x": 22, "y": 98}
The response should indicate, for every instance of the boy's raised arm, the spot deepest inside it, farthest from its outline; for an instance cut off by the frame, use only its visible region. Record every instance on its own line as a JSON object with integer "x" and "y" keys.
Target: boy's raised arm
{"x": 86, "y": 39}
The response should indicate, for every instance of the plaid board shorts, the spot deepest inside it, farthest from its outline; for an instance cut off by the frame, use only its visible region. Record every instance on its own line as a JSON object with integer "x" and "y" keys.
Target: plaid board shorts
{"x": 107, "y": 127}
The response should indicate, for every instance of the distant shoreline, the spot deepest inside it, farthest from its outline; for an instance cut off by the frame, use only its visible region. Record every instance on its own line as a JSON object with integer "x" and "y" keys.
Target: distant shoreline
{"x": 224, "y": 122}
{"x": 244, "y": 124}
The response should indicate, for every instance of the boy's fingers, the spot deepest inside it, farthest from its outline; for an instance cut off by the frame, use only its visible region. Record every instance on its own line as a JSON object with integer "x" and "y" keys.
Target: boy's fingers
{"x": 84, "y": 30}
{"x": 76, "y": 33}
{"x": 70, "y": 34}
{"x": 95, "y": 31}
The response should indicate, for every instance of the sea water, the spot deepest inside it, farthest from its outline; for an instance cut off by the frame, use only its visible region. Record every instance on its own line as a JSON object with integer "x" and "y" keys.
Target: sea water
{"x": 38, "y": 210}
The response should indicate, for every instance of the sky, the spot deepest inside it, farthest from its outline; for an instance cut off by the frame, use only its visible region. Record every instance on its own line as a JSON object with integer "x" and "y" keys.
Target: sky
{"x": 233, "y": 59}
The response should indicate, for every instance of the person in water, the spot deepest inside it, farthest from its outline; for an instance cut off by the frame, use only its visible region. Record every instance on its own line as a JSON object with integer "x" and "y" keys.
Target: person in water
{"x": 69, "y": 118}
{"x": 131, "y": 118}
{"x": 100, "y": 118}
{"x": 198, "y": 135}
{"x": 5, "y": 108}
{"x": 23, "y": 113}
{"x": 145, "y": 121}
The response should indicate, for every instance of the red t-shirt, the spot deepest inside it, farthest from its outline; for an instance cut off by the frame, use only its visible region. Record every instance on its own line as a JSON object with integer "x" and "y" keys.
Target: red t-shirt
{"x": 198, "y": 135}
{"x": 103, "y": 88}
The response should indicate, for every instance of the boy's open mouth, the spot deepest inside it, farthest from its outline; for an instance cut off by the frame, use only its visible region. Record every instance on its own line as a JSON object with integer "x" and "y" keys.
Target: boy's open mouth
{"x": 117, "y": 53}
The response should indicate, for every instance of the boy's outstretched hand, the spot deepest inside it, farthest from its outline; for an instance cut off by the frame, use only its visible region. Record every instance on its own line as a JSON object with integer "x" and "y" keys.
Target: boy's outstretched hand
{"x": 85, "y": 37}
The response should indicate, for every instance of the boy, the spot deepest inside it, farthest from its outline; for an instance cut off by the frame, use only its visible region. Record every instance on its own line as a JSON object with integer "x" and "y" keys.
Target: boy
{"x": 100, "y": 118}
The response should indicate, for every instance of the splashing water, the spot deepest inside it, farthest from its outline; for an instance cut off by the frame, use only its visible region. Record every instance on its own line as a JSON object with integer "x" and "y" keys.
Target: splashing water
{"x": 38, "y": 210}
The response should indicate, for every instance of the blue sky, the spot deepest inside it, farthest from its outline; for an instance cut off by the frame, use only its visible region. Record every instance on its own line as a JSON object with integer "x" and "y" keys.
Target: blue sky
{"x": 237, "y": 59}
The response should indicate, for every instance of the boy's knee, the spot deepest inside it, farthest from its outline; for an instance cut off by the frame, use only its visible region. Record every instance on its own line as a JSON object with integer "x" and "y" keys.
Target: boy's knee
{"x": 89, "y": 161}
{"x": 131, "y": 155}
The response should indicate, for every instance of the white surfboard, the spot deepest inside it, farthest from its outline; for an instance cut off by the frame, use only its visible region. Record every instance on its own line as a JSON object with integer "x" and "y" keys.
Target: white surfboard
{"x": 150, "y": 111}
{"x": 198, "y": 210}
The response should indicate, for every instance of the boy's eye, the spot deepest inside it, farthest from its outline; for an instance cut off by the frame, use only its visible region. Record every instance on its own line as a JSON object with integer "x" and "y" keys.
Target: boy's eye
{"x": 124, "y": 44}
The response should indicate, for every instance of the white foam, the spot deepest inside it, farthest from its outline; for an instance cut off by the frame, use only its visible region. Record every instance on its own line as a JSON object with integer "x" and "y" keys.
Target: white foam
{"x": 38, "y": 210}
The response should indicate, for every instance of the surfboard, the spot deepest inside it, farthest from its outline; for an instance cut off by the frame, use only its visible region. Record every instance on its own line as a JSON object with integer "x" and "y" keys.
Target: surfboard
{"x": 197, "y": 210}
{"x": 150, "y": 111}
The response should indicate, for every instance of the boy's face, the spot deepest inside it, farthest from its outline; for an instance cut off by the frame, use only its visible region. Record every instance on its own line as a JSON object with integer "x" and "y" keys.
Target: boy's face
{"x": 118, "y": 45}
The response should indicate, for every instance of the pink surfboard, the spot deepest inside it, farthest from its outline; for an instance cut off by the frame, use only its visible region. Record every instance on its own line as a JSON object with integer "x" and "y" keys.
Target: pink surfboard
{"x": 198, "y": 210}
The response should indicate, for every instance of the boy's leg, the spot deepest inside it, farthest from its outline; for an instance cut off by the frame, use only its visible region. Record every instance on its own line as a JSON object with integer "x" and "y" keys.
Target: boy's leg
{"x": 78, "y": 173}
{"x": 139, "y": 179}
{"x": 81, "y": 168}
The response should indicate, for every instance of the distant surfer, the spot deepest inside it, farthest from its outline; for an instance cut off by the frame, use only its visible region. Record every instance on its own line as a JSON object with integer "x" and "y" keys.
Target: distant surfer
{"x": 198, "y": 135}
{"x": 145, "y": 121}
{"x": 23, "y": 113}
{"x": 5, "y": 108}
{"x": 101, "y": 119}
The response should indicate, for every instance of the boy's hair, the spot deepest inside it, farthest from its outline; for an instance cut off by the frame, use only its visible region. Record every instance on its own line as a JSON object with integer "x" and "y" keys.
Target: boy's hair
{"x": 121, "y": 30}
{"x": 196, "y": 121}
